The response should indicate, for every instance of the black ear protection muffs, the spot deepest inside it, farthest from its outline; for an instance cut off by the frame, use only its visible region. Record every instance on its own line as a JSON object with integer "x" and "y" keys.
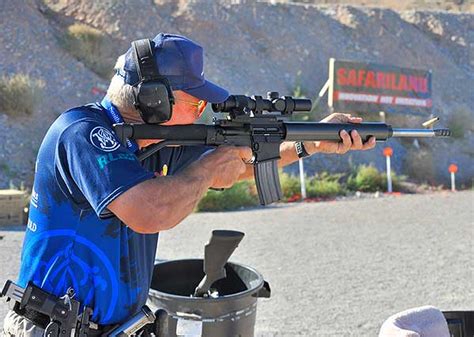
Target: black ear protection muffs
{"x": 153, "y": 95}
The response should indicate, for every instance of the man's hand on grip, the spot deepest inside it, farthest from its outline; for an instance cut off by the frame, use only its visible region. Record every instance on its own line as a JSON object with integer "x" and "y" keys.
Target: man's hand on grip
{"x": 226, "y": 164}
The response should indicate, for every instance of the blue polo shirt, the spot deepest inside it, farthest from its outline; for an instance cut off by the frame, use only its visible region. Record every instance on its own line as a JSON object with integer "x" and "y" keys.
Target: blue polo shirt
{"x": 72, "y": 240}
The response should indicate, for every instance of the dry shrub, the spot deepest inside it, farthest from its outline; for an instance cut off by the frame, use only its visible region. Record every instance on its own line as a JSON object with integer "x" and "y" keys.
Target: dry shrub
{"x": 20, "y": 94}
{"x": 91, "y": 47}
{"x": 419, "y": 166}
{"x": 460, "y": 122}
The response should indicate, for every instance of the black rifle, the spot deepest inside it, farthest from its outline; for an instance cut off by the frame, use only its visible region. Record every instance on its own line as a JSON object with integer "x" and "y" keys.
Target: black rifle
{"x": 260, "y": 124}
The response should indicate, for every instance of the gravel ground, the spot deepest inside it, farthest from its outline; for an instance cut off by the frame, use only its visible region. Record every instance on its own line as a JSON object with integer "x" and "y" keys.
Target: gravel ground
{"x": 245, "y": 54}
{"x": 335, "y": 268}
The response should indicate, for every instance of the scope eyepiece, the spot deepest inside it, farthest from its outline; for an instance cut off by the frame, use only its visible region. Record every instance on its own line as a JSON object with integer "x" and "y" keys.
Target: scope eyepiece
{"x": 241, "y": 104}
{"x": 234, "y": 102}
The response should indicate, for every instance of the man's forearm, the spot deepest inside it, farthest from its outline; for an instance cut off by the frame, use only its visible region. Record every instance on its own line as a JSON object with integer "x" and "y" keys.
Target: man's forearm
{"x": 183, "y": 191}
{"x": 161, "y": 203}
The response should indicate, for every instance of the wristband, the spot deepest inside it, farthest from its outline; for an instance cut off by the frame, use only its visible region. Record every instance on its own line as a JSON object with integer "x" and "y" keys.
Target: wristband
{"x": 300, "y": 150}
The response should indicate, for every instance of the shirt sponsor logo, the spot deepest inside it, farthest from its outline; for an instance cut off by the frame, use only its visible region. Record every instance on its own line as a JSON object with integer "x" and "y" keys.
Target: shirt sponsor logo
{"x": 34, "y": 198}
{"x": 78, "y": 262}
{"x": 103, "y": 139}
{"x": 111, "y": 157}
{"x": 31, "y": 226}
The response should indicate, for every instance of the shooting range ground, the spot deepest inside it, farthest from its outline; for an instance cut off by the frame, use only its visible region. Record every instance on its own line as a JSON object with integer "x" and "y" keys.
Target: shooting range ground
{"x": 335, "y": 268}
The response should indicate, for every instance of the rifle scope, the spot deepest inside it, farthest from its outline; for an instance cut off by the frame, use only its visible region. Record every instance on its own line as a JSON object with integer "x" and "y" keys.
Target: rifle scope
{"x": 242, "y": 104}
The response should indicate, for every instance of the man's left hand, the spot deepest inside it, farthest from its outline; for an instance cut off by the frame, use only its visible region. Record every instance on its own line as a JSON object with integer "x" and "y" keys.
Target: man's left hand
{"x": 349, "y": 142}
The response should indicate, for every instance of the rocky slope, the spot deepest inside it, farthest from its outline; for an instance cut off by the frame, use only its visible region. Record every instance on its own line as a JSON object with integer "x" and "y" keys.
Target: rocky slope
{"x": 251, "y": 47}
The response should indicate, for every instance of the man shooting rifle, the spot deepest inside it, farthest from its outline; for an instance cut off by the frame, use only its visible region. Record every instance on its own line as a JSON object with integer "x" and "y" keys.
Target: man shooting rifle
{"x": 96, "y": 210}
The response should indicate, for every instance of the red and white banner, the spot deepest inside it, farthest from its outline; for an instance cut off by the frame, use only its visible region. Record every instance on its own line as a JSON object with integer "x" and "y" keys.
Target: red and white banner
{"x": 364, "y": 87}
{"x": 382, "y": 99}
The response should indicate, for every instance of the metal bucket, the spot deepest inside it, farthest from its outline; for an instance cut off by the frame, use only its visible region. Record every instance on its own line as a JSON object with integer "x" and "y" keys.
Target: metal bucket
{"x": 460, "y": 323}
{"x": 232, "y": 314}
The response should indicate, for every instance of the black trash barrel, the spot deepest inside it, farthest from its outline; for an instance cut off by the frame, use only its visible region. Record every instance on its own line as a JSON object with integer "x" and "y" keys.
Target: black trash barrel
{"x": 460, "y": 323}
{"x": 232, "y": 314}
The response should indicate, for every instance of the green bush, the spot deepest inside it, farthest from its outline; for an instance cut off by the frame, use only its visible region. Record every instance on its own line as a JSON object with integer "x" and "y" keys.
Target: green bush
{"x": 242, "y": 194}
{"x": 290, "y": 185}
{"x": 366, "y": 179}
{"x": 91, "y": 47}
{"x": 324, "y": 185}
{"x": 20, "y": 94}
{"x": 319, "y": 186}
{"x": 397, "y": 182}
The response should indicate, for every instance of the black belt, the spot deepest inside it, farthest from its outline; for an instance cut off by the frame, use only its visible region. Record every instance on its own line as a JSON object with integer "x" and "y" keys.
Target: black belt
{"x": 42, "y": 320}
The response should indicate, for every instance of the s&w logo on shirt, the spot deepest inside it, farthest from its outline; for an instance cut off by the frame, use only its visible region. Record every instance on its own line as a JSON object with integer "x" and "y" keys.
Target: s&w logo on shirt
{"x": 103, "y": 139}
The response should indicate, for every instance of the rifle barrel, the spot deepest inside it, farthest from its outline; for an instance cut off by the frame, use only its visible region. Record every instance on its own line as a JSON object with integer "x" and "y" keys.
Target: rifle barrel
{"x": 421, "y": 133}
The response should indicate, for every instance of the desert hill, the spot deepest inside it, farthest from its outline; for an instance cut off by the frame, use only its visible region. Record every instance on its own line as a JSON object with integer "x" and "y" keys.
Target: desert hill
{"x": 251, "y": 48}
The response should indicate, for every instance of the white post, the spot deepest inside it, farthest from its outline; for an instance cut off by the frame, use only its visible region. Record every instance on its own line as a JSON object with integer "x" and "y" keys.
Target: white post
{"x": 389, "y": 175}
{"x": 382, "y": 116}
{"x": 453, "y": 182}
{"x": 303, "y": 186}
{"x": 322, "y": 92}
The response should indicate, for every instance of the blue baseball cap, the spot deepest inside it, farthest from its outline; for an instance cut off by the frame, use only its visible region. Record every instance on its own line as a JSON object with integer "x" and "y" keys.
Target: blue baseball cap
{"x": 180, "y": 60}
